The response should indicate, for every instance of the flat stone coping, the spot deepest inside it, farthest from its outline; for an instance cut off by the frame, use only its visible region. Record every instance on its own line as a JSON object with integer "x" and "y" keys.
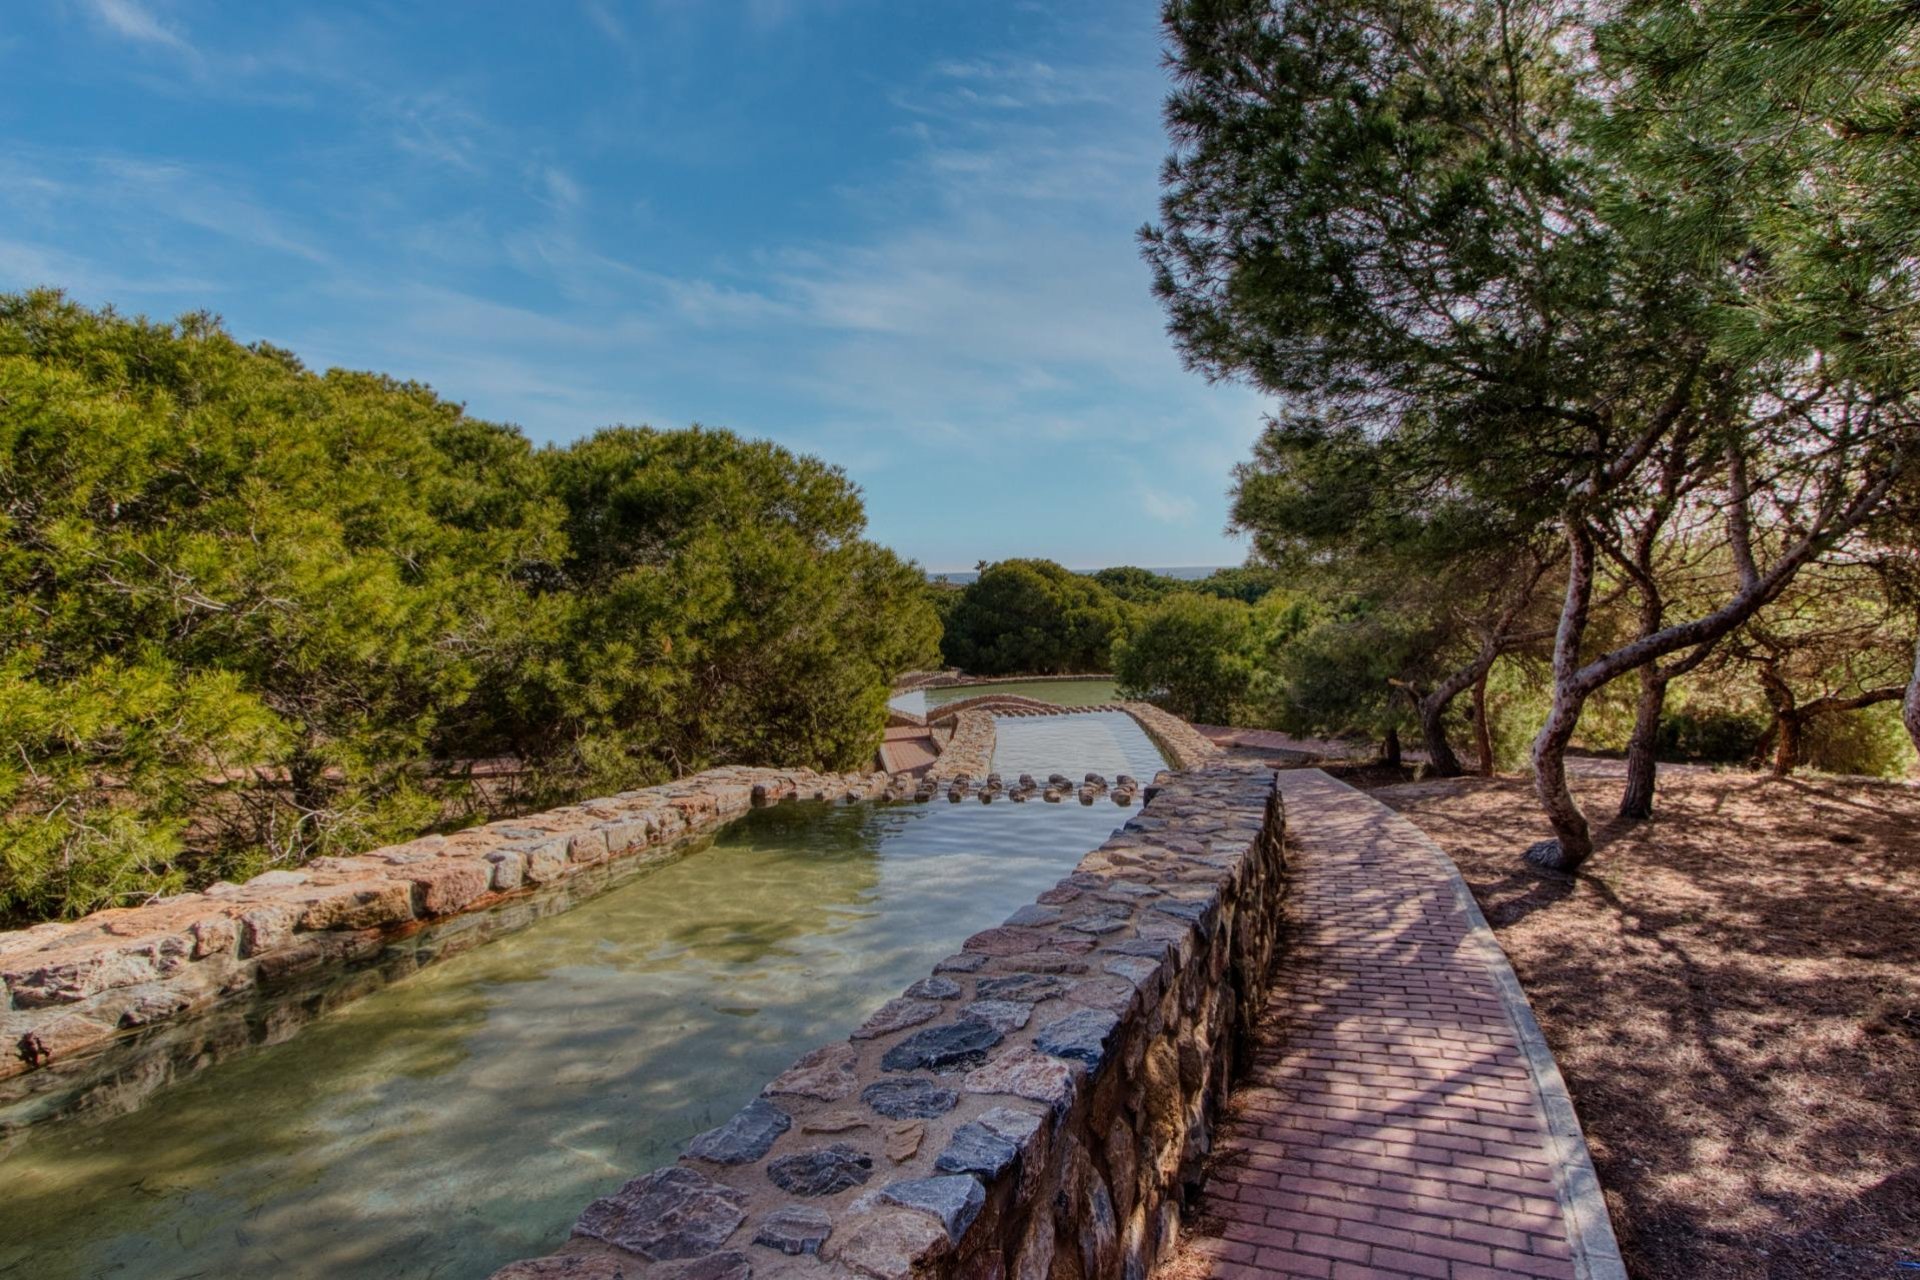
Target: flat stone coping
{"x": 1405, "y": 1116}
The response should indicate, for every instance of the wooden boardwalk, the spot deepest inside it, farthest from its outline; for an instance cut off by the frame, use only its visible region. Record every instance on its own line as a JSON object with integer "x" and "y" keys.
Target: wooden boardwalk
{"x": 1404, "y": 1117}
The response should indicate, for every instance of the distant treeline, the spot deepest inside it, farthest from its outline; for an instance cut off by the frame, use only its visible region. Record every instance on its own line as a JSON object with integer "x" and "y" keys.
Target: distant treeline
{"x": 253, "y": 613}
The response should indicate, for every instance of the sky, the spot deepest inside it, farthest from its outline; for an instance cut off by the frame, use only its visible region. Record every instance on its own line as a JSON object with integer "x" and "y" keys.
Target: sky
{"x": 899, "y": 236}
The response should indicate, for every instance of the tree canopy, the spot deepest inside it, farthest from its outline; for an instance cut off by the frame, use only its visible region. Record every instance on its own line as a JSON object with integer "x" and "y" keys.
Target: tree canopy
{"x": 1640, "y": 277}
{"x": 253, "y": 613}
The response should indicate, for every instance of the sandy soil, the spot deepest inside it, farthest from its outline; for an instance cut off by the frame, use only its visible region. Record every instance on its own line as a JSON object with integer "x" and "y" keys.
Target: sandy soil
{"x": 1733, "y": 993}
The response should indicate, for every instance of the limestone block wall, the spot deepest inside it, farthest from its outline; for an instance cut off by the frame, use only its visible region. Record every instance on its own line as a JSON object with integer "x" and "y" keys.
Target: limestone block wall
{"x": 1031, "y": 1109}
{"x": 68, "y": 989}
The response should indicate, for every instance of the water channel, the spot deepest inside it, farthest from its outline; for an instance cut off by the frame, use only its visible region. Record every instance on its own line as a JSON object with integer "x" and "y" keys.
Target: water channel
{"x": 1066, "y": 693}
{"x": 460, "y": 1116}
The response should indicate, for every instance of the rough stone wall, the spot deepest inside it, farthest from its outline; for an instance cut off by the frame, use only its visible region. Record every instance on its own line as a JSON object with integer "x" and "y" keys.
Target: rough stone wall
{"x": 1033, "y": 1109}
{"x": 1184, "y": 746}
{"x": 67, "y": 989}
{"x": 969, "y": 752}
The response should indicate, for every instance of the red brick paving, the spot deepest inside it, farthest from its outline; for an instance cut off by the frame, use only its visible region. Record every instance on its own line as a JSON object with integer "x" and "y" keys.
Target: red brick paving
{"x": 1391, "y": 1126}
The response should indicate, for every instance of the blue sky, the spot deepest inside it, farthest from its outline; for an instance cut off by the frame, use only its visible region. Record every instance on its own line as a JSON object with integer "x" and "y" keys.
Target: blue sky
{"x": 897, "y": 235}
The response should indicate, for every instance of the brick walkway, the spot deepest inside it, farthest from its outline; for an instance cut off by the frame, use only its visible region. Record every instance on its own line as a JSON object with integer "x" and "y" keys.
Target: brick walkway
{"x": 1397, "y": 1119}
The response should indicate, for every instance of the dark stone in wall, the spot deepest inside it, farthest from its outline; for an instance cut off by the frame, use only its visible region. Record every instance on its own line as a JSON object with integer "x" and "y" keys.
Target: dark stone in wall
{"x": 917, "y": 1099}
{"x": 945, "y": 1048}
{"x": 1081, "y": 1035}
{"x": 822, "y": 1171}
{"x": 745, "y": 1138}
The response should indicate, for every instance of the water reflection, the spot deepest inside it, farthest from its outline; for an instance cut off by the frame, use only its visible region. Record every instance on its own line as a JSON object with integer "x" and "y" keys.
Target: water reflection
{"x": 458, "y": 1118}
{"x": 1104, "y": 742}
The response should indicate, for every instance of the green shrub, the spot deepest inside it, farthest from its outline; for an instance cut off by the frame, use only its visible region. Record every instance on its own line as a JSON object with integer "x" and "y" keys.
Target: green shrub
{"x": 1033, "y": 617}
{"x": 1191, "y": 655}
{"x": 250, "y": 613}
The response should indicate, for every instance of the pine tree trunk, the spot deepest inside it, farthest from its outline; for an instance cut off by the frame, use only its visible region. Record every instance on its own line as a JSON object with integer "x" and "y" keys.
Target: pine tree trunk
{"x": 1637, "y": 802}
{"x": 1573, "y": 839}
{"x": 1433, "y": 730}
{"x": 1482, "y": 731}
{"x": 1786, "y": 744}
{"x": 1910, "y": 709}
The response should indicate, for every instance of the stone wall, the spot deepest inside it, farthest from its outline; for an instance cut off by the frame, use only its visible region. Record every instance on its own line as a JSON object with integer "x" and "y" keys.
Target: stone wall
{"x": 68, "y": 989}
{"x": 1032, "y": 1109}
{"x": 969, "y": 752}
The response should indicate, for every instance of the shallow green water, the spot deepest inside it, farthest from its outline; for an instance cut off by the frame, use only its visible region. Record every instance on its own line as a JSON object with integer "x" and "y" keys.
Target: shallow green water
{"x": 1067, "y": 693}
{"x": 461, "y": 1117}
{"x": 1104, "y": 742}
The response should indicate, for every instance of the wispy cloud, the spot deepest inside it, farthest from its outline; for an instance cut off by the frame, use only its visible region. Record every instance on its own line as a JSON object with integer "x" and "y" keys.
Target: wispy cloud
{"x": 130, "y": 20}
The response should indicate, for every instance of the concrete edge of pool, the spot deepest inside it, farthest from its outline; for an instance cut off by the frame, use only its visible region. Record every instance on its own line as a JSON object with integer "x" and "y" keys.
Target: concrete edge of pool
{"x": 1049, "y": 1087}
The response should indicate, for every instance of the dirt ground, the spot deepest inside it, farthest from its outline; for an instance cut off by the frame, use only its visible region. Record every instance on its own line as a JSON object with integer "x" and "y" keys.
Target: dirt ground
{"x": 1733, "y": 993}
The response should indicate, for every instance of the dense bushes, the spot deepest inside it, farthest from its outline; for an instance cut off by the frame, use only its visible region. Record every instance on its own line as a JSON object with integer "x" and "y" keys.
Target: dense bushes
{"x": 252, "y": 614}
{"x": 1032, "y": 617}
{"x": 1192, "y": 655}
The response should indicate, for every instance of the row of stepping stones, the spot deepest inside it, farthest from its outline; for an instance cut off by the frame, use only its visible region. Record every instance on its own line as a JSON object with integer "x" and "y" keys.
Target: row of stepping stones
{"x": 1123, "y": 790}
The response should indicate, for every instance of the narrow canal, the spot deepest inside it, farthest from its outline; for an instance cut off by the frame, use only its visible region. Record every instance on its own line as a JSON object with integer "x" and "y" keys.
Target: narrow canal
{"x": 460, "y": 1117}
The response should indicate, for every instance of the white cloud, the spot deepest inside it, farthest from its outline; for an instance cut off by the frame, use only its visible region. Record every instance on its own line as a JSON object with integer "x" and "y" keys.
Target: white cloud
{"x": 131, "y": 21}
{"x": 1165, "y": 506}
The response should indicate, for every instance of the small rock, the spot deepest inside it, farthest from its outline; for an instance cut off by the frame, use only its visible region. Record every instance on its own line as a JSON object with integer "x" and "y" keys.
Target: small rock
{"x": 667, "y": 1214}
{"x": 827, "y": 1074}
{"x": 833, "y": 1122}
{"x": 1081, "y": 1035}
{"x": 965, "y": 962}
{"x": 1017, "y": 1127}
{"x": 955, "y": 1200}
{"x": 935, "y": 988}
{"x": 794, "y": 1229}
{"x": 745, "y": 1138}
{"x": 903, "y": 1141}
{"x": 976, "y": 1149}
{"x": 897, "y": 1015}
{"x": 822, "y": 1171}
{"x": 1028, "y": 988}
{"x": 885, "y": 1245}
{"x": 945, "y": 1048}
{"x": 730, "y": 1264}
{"x": 1024, "y": 1074}
{"x": 1003, "y": 1015}
{"x": 903, "y": 1099}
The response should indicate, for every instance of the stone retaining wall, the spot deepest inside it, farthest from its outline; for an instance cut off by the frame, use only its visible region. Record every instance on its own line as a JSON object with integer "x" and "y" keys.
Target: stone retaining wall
{"x": 969, "y": 752}
{"x": 67, "y": 989}
{"x": 1032, "y": 1109}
